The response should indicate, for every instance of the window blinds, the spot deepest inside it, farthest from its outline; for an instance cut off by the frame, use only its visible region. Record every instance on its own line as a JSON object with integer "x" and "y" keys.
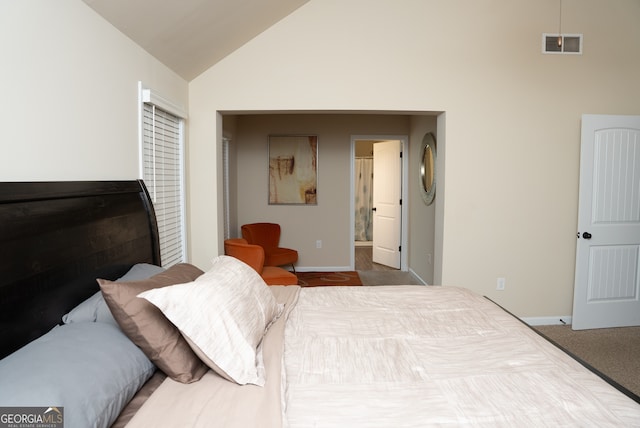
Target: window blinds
{"x": 162, "y": 160}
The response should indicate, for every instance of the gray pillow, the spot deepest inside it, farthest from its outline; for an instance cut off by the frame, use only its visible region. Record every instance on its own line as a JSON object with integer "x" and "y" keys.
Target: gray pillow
{"x": 95, "y": 309}
{"x": 90, "y": 369}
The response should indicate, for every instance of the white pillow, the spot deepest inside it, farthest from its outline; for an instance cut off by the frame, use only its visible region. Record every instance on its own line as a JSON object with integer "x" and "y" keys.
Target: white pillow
{"x": 223, "y": 314}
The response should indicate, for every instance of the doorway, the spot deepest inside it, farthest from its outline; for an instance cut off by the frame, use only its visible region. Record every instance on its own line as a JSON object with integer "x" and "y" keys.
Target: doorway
{"x": 606, "y": 291}
{"x": 365, "y": 217}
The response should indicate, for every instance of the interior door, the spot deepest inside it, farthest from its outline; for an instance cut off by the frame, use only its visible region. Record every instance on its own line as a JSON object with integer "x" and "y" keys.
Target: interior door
{"x": 607, "y": 290}
{"x": 387, "y": 194}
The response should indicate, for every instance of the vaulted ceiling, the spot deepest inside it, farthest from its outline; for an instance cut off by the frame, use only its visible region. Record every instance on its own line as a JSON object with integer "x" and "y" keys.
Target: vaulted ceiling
{"x": 190, "y": 36}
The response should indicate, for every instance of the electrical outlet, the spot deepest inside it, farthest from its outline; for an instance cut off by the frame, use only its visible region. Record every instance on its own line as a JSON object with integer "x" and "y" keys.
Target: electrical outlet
{"x": 500, "y": 284}
{"x": 319, "y": 243}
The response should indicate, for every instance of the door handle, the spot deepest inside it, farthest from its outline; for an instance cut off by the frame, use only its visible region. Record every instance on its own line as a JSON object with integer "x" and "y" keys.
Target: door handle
{"x": 373, "y": 209}
{"x": 586, "y": 235}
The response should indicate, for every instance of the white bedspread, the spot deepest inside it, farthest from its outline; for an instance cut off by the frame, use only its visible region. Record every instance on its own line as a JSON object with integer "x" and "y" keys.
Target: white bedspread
{"x": 216, "y": 402}
{"x": 397, "y": 356}
{"x": 415, "y": 356}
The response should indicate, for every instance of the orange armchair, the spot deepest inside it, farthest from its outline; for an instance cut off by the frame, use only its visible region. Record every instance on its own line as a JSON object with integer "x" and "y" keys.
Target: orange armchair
{"x": 253, "y": 255}
{"x": 267, "y": 235}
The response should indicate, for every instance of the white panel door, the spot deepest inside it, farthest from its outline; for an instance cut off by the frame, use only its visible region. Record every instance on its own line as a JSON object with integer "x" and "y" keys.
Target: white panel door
{"x": 387, "y": 191}
{"x": 607, "y": 281}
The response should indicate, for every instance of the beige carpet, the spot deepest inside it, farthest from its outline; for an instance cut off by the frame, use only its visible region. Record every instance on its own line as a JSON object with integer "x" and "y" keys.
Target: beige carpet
{"x": 613, "y": 351}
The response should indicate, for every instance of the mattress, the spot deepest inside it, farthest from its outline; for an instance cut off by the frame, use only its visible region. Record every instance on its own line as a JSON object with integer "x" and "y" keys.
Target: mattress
{"x": 410, "y": 356}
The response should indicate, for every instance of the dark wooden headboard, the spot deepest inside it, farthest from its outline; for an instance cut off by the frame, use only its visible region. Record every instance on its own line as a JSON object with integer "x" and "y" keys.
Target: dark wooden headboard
{"x": 56, "y": 238}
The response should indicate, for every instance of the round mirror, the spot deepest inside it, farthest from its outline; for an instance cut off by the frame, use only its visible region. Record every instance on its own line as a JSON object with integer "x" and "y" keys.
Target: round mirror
{"x": 428, "y": 169}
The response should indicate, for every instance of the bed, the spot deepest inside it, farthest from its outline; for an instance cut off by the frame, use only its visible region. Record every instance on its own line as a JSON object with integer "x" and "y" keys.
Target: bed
{"x": 93, "y": 328}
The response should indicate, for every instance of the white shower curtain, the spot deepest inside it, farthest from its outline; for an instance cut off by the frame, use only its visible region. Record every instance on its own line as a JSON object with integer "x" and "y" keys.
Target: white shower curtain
{"x": 364, "y": 199}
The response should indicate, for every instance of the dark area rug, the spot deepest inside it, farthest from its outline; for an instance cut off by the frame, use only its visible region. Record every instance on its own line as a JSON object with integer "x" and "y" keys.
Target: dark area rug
{"x": 319, "y": 279}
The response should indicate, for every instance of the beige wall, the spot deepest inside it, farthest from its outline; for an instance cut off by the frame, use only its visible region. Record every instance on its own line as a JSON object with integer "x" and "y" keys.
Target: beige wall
{"x": 329, "y": 220}
{"x": 512, "y": 118}
{"x": 511, "y": 135}
{"x": 422, "y": 217}
{"x": 69, "y": 85}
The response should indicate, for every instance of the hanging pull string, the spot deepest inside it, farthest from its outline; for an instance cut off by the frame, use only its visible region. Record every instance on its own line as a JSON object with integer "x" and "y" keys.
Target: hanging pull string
{"x": 560, "y": 27}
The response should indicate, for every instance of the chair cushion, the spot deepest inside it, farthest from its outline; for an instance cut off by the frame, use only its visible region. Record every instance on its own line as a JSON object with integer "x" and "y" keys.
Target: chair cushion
{"x": 277, "y": 276}
{"x": 280, "y": 256}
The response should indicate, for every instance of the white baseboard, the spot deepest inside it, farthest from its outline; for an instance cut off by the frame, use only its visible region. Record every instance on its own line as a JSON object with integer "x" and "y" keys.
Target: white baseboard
{"x": 417, "y": 276}
{"x": 322, "y": 268}
{"x": 560, "y": 320}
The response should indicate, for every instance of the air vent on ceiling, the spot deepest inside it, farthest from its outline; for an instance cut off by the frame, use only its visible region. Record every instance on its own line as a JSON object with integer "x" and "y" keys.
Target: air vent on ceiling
{"x": 562, "y": 43}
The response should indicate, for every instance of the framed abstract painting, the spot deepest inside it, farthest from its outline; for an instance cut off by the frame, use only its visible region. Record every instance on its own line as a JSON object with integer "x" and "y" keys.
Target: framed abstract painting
{"x": 293, "y": 170}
